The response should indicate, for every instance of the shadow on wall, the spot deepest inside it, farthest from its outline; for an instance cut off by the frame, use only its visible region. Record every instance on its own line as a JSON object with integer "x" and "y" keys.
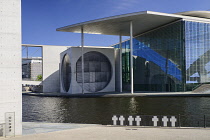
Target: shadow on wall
{"x": 51, "y": 83}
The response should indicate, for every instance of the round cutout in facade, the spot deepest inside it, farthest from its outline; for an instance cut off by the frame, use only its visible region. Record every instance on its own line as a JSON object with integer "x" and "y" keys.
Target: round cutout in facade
{"x": 66, "y": 72}
{"x": 97, "y": 71}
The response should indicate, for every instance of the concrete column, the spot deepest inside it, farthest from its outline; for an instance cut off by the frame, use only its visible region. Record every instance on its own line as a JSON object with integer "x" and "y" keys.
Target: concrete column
{"x": 120, "y": 62}
{"x": 131, "y": 55}
{"x": 82, "y": 45}
{"x": 26, "y": 51}
{"x": 10, "y": 68}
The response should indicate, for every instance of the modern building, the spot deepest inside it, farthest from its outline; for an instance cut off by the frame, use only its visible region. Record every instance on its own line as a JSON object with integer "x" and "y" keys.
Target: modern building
{"x": 165, "y": 52}
{"x": 99, "y": 70}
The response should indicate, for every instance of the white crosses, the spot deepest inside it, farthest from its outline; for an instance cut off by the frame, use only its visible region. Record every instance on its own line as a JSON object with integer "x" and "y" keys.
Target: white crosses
{"x": 130, "y": 119}
{"x": 165, "y": 120}
{"x": 173, "y": 121}
{"x": 114, "y": 119}
{"x": 121, "y": 120}
{"x": 155, "y": 120}
{"x": 138, "y": 120}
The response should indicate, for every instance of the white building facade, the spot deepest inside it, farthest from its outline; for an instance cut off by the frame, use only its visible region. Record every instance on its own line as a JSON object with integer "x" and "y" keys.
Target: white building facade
{"x": 99, "y": 70}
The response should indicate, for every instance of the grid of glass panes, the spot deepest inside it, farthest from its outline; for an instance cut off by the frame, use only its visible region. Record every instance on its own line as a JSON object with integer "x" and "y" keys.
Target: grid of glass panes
{"x": 125, "y": 63}
{"x": 158, "y": 59}
{"x": 197, "y": 42}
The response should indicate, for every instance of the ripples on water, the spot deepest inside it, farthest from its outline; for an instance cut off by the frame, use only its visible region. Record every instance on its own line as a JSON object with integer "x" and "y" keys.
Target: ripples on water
{"x": 100, "y": 110}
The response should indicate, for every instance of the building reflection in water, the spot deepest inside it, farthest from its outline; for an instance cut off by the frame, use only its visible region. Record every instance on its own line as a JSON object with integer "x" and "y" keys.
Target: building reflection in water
{"x": 133, "y": 106}
{"x": 101, "y": 110}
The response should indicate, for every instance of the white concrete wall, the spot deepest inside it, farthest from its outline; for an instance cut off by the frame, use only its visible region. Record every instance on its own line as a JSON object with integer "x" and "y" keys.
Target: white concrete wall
{"x": 10, "y": 61}
{"x": 51, "y": 61}
{"x": 74, "y": 54}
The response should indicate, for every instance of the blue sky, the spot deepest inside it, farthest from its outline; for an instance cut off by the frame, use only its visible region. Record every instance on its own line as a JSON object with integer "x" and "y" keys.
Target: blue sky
{"x": 40, "y": 18}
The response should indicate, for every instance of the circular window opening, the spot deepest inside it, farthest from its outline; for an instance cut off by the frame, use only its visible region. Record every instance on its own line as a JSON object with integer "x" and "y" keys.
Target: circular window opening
{"x": 97, "y": 71}
{"x": 66, "y": 72}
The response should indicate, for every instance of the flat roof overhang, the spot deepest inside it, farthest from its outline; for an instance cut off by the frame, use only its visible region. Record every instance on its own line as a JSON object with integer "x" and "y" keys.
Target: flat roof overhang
{"x": 116, "y": 25}
{"x": 142, "y": 22}
{"x": 199, "y": 14}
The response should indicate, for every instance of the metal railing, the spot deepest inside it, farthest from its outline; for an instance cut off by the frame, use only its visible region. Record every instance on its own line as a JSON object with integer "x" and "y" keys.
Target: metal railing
{"x": 195, "y": 121}
{"x": 162, "y": 120}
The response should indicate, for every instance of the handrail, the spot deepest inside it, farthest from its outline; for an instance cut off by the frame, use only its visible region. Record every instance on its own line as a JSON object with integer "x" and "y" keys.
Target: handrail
{"x": 194, "y": 88}
{"x": 200, "y": 85}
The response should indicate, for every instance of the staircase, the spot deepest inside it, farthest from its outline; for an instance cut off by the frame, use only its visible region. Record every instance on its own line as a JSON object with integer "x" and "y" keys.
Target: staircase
{"x": 204, "y": 88}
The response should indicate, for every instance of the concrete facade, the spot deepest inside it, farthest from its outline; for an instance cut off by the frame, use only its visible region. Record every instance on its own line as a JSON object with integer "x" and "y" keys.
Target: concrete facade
{"x": 74, "y": 54}
{"x": 10, "y": 60}
{"x": 51, "y": 60}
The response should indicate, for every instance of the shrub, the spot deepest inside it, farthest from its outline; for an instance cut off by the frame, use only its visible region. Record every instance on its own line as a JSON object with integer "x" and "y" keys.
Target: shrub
{"x": 39, "y": 77}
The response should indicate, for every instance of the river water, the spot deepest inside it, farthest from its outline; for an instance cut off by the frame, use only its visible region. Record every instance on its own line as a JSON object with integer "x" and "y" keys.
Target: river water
{"x": 101, "y": 110}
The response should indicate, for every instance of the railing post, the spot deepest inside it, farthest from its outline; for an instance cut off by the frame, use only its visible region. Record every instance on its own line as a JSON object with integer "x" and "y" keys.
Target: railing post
{"x": 204, "y": 117}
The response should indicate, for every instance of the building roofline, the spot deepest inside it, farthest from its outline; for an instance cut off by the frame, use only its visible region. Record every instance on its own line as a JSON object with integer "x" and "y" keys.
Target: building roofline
{"x": 34, "y": 45}
{"x": 101, "y": 19}
{"x": 115, "y": 24}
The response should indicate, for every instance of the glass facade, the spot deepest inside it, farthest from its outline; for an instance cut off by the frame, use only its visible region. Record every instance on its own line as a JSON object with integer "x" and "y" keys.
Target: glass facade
{"x": 158, "y": 60}
{"x": 175, "y": 57}
{"x": 197, "y": 45}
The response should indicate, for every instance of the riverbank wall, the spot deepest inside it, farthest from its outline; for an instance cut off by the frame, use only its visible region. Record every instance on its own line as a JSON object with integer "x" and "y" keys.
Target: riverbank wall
{"x": 123, "y": 94}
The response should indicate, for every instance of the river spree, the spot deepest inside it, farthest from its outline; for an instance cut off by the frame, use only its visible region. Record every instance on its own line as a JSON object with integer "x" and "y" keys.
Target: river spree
{"x": 101, "y": 110}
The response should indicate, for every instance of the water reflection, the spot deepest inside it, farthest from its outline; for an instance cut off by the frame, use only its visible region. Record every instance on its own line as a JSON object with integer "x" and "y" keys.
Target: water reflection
{"x": 133, "y": 106}
{"x": 100, "y": 110}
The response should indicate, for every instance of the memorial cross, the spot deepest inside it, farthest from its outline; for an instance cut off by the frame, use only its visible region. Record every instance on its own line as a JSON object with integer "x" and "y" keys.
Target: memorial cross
{"x": 121, "y": 120}
{"x": 155, "y": 120}
{"x": 114, "y": 119}
{"x": 130, "y": 119}
{"x": 138, "y": 120}
{"x": 173, "y": 121}
{"x": 165, "y": 120}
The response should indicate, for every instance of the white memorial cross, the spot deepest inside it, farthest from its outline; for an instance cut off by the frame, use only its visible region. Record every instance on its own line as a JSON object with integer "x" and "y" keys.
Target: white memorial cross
{"x": 155, "y": 120}
{"x": 114, "y": 119}
{"x": 165, "y": 120}
{"x": 138, "y": 120}
{"x": 130, "y": 119}
{"x": 173, "y": 121}
{"x": 121, "y": 120}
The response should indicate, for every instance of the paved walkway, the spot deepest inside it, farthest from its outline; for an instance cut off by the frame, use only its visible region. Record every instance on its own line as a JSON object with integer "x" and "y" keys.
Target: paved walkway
{"x": 99, "y": 132}
{"x": 124, "y": 94}
{"x": 40, "y": 127}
